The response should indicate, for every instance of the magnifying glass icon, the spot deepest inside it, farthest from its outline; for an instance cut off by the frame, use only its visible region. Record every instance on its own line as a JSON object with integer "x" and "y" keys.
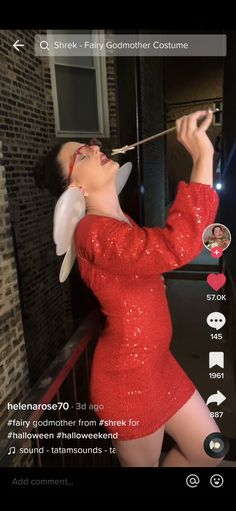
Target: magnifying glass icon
{"x": 44, "y": 45}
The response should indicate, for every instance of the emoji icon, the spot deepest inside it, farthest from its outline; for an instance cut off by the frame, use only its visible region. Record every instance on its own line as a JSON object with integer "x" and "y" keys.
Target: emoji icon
{"x": 216, "y": 281}
{"x": 216, "y": 320}
{"x": 216, "y": 481}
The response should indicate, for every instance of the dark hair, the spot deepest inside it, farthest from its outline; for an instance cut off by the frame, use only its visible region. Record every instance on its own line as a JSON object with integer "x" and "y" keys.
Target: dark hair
{"x": 48, "y": 172}
{"x": 216, "y": 226}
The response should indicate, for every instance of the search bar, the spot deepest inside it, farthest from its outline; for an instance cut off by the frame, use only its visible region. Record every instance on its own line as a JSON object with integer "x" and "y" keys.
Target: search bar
{"x": 130, "y": 45}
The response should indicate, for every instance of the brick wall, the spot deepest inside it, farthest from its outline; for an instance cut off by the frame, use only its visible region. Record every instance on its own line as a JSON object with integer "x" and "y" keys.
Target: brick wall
{"x": 13, "y": 363}
{"x": 27, "y": 131}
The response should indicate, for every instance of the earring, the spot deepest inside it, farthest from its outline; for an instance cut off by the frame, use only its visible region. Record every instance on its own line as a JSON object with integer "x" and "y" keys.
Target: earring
{"x": 82, "y": 188}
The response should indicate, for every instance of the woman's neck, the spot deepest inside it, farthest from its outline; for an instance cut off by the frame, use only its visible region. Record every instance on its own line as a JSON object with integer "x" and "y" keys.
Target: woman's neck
{"x": 105, "y": 203}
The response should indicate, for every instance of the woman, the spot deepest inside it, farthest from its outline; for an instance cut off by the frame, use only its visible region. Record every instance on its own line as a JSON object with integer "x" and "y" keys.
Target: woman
{"x": 142, "y": 389}
{"x": 218, "y": 238}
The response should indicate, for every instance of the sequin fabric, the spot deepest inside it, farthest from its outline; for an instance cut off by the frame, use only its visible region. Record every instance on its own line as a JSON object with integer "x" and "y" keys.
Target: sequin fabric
{"x": 134, "y": 376}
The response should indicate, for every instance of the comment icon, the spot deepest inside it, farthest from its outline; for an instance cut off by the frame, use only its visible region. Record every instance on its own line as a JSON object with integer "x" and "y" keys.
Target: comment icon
{"x": 216, "y": 320}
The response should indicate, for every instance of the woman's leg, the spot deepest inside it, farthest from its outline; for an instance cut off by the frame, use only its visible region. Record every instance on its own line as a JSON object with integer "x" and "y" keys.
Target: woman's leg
{"x": 189, "y": 427}
{"x": 142, "y": 452}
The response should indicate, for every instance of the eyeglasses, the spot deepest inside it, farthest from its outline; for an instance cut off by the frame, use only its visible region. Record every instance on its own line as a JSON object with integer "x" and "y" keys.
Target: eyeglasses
{"x": 93, "y": 141}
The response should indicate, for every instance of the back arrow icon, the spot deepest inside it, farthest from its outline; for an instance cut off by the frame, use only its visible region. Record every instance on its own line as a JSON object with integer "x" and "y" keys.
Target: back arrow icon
{"x": 17, "y": 44}
{"x": 216, "y": 398}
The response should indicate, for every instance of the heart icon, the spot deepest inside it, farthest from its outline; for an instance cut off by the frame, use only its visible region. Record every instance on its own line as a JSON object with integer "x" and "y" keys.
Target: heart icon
{"x": 216, "y": 281}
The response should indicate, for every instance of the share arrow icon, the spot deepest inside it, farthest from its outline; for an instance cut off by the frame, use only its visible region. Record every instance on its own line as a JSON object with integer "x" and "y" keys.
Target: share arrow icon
{"x": 216, "y": 398}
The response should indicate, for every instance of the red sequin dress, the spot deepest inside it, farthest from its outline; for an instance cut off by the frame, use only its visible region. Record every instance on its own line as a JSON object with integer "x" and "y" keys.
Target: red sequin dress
{"x": 135, "y": 377}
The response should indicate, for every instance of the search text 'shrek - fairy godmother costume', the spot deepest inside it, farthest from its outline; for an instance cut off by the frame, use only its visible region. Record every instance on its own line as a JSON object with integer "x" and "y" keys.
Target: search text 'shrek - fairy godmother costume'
{"x": 134, "y": 375}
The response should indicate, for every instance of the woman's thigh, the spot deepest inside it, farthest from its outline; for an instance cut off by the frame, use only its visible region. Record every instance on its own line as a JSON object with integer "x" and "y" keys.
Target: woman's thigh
{"x": 141, "y": 452}
{"x": 189, "y": 427}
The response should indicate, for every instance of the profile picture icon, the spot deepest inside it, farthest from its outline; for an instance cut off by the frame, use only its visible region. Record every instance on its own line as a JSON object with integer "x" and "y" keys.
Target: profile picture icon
{"x": 216, "y": 235}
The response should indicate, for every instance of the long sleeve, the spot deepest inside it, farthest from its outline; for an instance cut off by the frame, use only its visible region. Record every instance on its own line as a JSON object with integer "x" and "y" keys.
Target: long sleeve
{"x": 114, "y": 246}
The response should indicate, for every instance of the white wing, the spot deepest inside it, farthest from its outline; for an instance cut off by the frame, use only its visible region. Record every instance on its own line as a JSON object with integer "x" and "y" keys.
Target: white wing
{"x": 123, "y": 176}
{"x": 69, "y": 210}
{"x": 68, "y": 262}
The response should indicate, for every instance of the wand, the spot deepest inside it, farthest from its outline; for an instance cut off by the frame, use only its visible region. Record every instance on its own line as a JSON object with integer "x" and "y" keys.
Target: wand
{"x": 125, "y": 148}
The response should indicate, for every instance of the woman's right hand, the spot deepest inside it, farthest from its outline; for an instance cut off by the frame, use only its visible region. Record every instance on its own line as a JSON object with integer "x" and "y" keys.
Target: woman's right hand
{"x": 194, "y": 137}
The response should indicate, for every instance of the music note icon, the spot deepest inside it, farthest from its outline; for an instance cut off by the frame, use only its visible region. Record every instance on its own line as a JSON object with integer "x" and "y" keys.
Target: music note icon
{"x": 12, "y": 450}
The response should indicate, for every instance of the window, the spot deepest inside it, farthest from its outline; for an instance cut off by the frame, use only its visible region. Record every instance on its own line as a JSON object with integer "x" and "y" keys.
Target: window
{"x": 79, "y": 89}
